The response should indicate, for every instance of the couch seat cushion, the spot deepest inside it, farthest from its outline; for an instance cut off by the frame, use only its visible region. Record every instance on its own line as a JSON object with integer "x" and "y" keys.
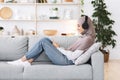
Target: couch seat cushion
{"x": 56, "y": 72}
{"x": 12, "y": 48}
{"x": 10, "y": 72}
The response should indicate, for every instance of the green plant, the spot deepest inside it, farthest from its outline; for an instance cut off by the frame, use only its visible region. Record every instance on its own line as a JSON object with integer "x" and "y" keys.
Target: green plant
{"x": 82, "y": 3}
{"x": 103, "y": 24}
{"x": 55, "y": 9}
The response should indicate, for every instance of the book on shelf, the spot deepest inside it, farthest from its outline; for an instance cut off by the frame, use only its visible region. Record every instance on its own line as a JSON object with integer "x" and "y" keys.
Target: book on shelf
{"x": 42, "y": 1}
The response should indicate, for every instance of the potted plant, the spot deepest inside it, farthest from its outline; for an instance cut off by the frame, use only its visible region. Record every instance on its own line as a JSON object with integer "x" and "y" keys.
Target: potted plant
{"x": 103, "y": 26}
{"x": 54, "y": 13}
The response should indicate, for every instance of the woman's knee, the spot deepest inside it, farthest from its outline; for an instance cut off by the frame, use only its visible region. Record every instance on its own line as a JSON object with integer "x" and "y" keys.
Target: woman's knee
{"x": 45, "y": 39}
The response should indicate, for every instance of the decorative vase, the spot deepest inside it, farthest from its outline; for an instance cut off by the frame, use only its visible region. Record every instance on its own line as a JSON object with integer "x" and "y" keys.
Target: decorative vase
{"x": 15, "y": 31}
{"x": 1, "y": 32}
{"x": 53, "y": 1}
{"x": 68, "y": 14}
{"x": 106, "y": 57}
{"x": 106, "y": 54}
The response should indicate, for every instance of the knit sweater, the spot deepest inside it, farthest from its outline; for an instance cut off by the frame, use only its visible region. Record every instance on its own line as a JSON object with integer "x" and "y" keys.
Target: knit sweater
{"x": 78, "y": 48}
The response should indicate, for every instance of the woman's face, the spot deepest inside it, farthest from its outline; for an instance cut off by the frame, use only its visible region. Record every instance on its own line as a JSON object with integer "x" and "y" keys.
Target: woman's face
{"x": 80, "y": 29}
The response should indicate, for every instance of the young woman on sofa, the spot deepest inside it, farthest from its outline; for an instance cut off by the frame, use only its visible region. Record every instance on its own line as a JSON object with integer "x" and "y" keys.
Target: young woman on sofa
{"x": 57, "y": 55}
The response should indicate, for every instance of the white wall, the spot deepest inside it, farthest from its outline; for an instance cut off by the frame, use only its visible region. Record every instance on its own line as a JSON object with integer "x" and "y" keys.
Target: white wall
{"x": 112, "y": 7}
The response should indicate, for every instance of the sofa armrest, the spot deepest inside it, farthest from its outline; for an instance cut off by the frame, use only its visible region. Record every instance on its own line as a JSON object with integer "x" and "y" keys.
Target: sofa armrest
{"x": 97, "y": 62}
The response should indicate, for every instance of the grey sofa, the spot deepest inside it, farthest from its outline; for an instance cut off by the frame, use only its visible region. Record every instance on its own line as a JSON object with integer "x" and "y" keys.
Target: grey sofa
{"x": 12, "y": 48}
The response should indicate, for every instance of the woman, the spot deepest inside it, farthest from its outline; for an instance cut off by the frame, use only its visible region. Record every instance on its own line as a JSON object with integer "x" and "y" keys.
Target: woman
{"x": 57, "y": 55}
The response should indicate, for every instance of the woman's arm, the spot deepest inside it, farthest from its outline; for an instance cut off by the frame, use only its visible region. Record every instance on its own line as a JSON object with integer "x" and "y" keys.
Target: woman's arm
{"x": 56, "y": 44}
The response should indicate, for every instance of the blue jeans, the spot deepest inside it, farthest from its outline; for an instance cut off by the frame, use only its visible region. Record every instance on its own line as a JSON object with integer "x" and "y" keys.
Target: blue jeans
{"x": 52, "y": 52}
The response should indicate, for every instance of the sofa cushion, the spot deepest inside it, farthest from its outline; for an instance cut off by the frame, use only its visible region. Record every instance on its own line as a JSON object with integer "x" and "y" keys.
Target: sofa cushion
{"x": 86, "y": 56}
{"x": 10, "y": 72}
{"x": 57, "y": 72}
{"x": 12, "y": 48}
{"x": 64, "y": 41}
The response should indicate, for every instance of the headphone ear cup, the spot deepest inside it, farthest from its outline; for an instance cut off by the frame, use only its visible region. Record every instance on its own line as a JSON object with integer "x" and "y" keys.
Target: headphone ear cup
{"x": 85, "y": 25}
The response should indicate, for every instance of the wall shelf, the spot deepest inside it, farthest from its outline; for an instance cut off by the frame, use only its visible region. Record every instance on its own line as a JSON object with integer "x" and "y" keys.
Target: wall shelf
{"x": 17, "y": 3}
{"x": 37, "y": 9}
{"x": 57, "y": 4}
{"x": 18, "y": 20}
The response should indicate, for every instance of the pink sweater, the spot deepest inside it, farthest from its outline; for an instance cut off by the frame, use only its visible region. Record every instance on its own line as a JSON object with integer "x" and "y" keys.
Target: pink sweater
{"x": 83, "y": 43}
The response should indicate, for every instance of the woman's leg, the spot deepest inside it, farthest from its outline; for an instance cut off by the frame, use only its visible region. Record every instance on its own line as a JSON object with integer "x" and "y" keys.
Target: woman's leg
{"x": 30, "y": 56}
{"x": 35, "y": 51}
{"x": 54, "y": 54}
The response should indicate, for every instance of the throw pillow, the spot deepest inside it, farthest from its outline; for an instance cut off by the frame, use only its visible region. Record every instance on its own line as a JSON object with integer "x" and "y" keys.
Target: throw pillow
{"x": 85, "y": 57}
{"x": 12, "y": 48}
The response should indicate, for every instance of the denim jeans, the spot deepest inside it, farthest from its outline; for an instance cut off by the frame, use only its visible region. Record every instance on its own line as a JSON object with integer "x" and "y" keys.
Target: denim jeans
{"x": 52, "y": 52}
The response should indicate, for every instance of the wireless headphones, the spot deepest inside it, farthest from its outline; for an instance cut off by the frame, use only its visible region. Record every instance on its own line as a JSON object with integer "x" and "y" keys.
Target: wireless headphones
{"x": 85, "y": 24}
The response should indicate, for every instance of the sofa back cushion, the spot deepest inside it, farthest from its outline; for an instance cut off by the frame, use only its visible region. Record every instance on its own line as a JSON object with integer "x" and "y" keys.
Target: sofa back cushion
{"x": 12, "y": 48}
{"x": 64, "y": 41}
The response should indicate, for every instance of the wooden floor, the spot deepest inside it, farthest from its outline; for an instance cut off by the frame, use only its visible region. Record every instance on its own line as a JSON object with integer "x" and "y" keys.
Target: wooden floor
{"x": 112, "y": 70}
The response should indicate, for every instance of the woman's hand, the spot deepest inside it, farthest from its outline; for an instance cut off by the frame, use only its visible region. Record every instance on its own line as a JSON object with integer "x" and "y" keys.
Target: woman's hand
{"x": 56, "y": 44}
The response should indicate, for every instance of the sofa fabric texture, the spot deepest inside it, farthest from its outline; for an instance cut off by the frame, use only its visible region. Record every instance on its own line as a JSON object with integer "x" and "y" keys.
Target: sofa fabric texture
{"x": 43, "y": 69}
{"x": 12, "y": 48}
{"x": 55, "y": 72}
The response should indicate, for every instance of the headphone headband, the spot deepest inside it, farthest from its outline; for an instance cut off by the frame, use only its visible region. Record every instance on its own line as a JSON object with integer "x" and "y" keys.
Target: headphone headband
{"x": 86, "y": 18}
{"x": 85, "y": 24}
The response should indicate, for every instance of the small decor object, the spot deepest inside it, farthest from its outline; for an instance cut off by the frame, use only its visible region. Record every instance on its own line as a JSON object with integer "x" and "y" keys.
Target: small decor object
{"x": 5, "y": 33}
{"x": 15, "y": 31}
{"x": 53, "y": 1}
{"x": 8, "y": 1}
{"x": 54, "y": 13}
{"x": 1, "y": 30}
{"x": 68, "y": 14}
{"x": 6, "y": 13}
{"x": 30, "y": 32}
{"x": 1, "y": 1}
{"x": 50, "y": 32}
{"x": 21, "y": 32}
{"x": 67, "y": 34}
{"x": 68, "y": 0}
{"x": 42, "y": 1}
{"x": 43, "y": 17}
